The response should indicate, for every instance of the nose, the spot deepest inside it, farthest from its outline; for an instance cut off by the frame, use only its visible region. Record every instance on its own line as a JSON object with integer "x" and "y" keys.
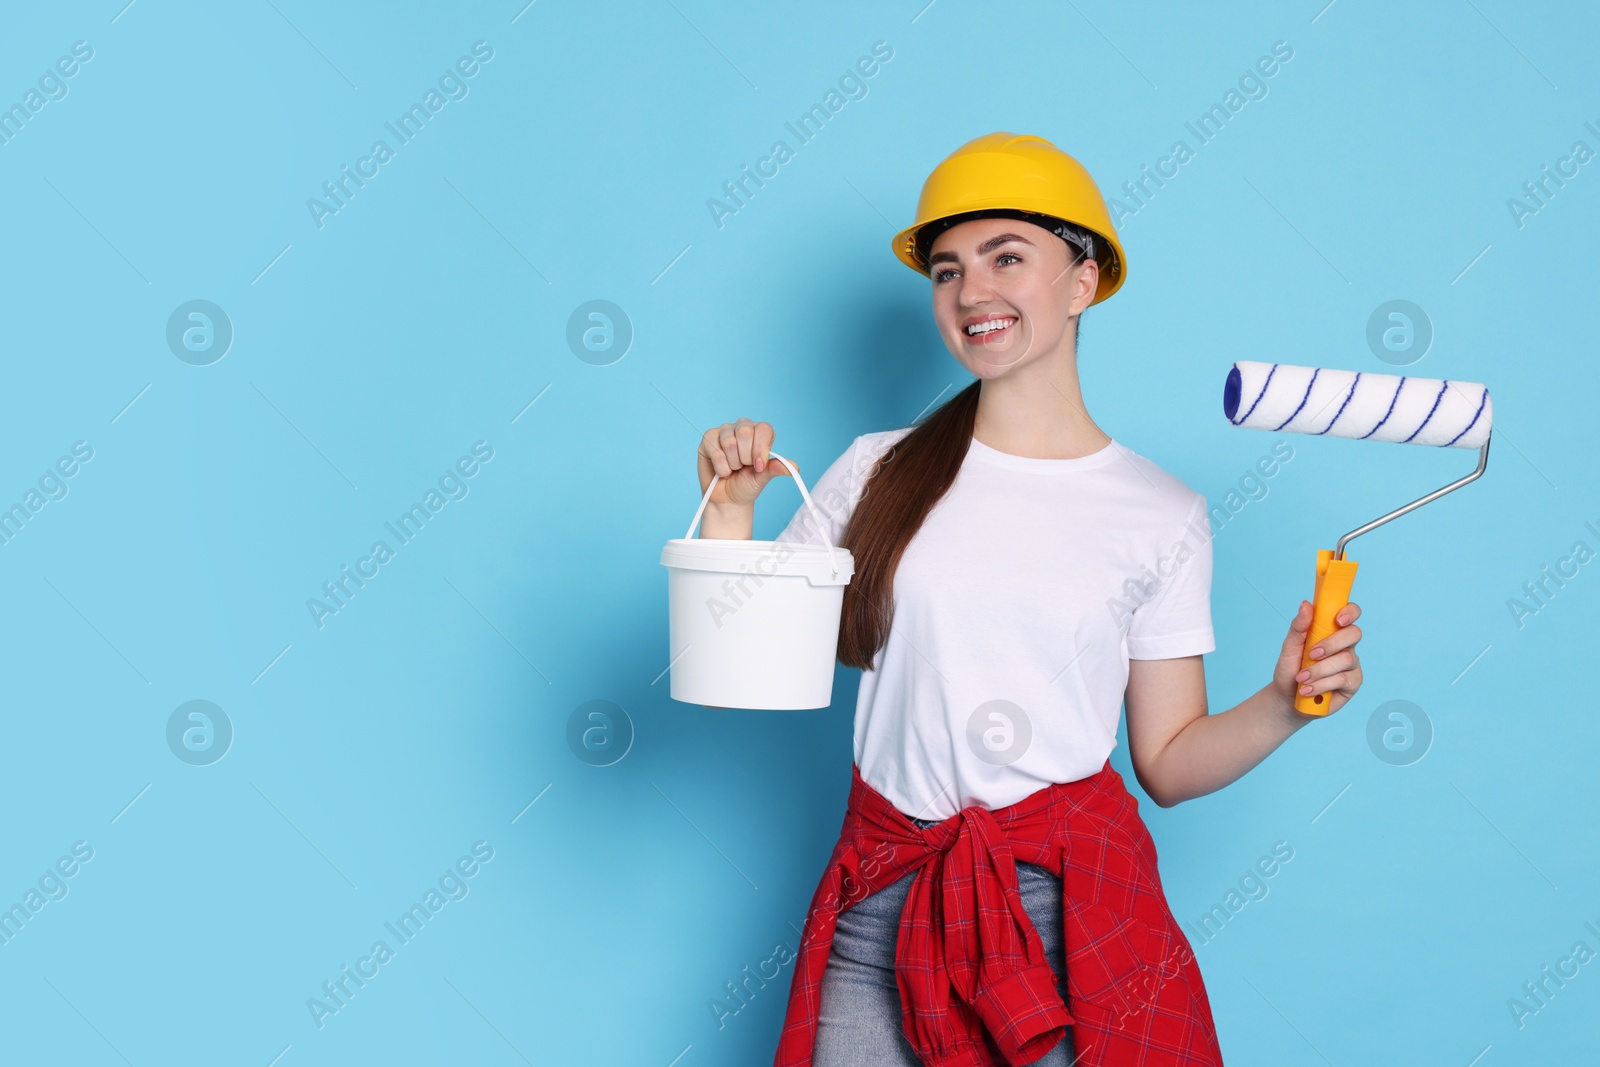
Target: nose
{"x": 976, "y": 289}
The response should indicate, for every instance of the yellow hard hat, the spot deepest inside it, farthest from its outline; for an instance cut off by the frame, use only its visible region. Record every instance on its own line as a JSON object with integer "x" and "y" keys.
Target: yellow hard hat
{"x": 1013, "y": 172}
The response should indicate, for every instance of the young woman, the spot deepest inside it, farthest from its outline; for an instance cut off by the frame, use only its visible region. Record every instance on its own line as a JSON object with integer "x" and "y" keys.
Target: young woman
{"x": 1020, "y": 576}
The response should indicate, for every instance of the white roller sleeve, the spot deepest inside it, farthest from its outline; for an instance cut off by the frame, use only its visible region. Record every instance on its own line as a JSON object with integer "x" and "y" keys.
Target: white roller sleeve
{"x": 1366, "y": 407}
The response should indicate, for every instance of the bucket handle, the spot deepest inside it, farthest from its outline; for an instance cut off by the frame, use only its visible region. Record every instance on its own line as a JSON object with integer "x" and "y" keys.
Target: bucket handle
{"x": 822, "y": 527}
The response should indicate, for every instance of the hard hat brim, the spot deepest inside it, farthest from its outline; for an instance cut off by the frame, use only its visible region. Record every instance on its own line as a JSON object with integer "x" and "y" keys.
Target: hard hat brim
{"x": 904, "y": 245}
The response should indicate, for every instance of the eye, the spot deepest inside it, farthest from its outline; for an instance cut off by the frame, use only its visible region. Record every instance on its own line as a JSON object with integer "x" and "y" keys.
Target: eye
{"x": 943, "y": 275}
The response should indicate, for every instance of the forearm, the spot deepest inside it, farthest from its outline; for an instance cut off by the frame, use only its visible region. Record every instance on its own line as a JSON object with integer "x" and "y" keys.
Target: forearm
{"x": 1215, "y": 750}
{"x": 730, "y": 522}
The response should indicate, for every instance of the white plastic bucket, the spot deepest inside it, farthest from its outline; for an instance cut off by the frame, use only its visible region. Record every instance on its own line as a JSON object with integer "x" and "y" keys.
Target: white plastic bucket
{"x": 754, "y": 624}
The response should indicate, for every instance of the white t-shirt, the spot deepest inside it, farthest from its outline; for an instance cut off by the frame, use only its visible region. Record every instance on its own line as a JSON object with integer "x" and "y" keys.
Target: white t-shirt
{"x": 1017, "y": 607}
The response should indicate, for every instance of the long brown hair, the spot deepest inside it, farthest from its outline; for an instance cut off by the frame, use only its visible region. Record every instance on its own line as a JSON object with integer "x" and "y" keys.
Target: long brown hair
{"x": 904, "y": 485}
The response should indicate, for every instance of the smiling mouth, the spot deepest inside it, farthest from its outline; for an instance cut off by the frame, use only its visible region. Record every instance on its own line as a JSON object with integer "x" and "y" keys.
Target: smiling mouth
{"x": 988, "y": 330}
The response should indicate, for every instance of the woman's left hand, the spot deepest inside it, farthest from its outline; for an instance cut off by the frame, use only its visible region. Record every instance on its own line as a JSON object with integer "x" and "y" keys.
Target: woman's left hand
{"x": 1334, "y": 670}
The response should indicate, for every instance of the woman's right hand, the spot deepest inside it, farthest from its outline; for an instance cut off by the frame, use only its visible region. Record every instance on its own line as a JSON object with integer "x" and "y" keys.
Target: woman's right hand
{"x": 737, "y": 452}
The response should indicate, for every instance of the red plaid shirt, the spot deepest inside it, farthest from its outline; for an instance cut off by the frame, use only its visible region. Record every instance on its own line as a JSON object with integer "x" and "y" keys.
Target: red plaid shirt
{"x": 976, "y": 988}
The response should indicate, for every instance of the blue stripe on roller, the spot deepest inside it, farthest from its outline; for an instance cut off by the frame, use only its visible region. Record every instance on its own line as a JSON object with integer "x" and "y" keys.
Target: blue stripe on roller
{"x": 1386, "y": 414}
{"x": 1431, "y": 410}
{"x": 1346, "y": 404}
{"x": 1481, "y": 402}
{"x": 1303, "y": 400}
{"x": 1270, "y": 373}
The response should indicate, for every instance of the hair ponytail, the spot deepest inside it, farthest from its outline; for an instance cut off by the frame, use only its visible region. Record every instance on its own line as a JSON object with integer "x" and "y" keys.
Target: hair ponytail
{"x": 904, "y": 485}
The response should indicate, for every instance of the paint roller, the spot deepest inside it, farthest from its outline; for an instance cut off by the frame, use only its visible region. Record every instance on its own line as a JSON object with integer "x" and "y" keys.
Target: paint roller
{"x": 1366, "y": 407}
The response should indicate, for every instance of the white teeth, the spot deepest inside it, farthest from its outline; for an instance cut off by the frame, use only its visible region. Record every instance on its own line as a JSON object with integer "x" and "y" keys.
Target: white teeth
{"x": 989, "y": 326}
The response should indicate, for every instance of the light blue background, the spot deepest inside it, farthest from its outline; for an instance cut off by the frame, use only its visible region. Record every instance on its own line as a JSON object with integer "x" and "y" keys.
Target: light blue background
{"x": 431, "y": 311}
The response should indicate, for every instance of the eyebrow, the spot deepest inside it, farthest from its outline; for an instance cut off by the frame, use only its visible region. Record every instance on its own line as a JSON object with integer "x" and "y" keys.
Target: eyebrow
{"x": 984, "y": 249}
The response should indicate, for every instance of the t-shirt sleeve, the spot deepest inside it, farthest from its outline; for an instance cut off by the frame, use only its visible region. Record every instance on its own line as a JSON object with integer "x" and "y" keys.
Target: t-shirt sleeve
{"x": 1176, "y": 620}
{"x": 835, "y": 493}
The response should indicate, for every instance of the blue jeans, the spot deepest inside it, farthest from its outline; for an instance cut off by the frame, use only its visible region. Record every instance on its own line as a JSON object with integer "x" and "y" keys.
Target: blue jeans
{"x": 859, "y": 1024}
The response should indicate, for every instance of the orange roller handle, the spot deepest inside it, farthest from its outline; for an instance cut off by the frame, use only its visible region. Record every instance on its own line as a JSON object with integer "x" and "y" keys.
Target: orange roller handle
{"x": 1332, "y": 592}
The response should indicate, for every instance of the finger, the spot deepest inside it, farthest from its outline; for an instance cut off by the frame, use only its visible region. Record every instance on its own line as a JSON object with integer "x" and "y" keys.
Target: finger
{"x": 1345, "y": 680}
{"x": 1302, "y": 619}
{"x": 745, "y": 431}
{"x": 1346, "y": 683}
{"x": 1339, "y": 661}
{"x": 729, "y": 442}
{"x": 1342, "y": 638}
{"x": 763, "y": 444}
{"x": 711, "y": 449}
{"x": 1336, "y": 675}
{"x": 1348, "y": 614}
